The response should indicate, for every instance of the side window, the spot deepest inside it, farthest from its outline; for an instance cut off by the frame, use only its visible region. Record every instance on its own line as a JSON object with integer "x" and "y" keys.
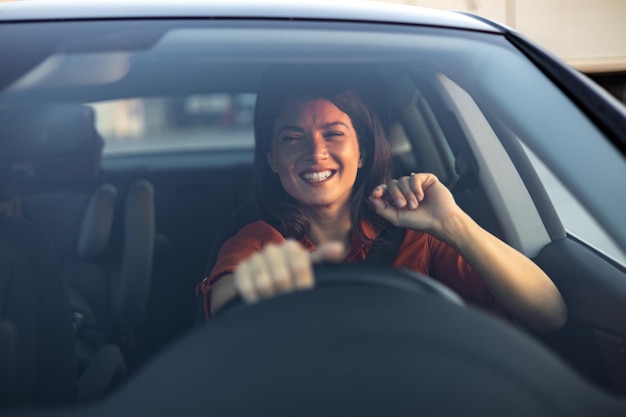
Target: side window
{"x": 575, "y": 218}
{"x": 203, "y": 121}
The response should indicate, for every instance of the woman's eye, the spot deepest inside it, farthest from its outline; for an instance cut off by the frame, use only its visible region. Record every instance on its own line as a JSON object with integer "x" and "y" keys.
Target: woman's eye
{"x": 333, "y": 133}
{"x": 290, "y": 138}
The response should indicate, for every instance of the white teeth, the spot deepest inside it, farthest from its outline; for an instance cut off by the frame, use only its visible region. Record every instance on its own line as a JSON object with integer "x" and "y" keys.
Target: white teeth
{"x": 316, "y": 176}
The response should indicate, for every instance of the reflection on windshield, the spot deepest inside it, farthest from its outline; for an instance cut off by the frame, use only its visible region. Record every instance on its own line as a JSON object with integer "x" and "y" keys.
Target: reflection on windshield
{"x": 199, "y": 121}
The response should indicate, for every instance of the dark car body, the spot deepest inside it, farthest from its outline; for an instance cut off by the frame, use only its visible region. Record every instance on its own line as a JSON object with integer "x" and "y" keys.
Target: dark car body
{"x": 532, "y": 150}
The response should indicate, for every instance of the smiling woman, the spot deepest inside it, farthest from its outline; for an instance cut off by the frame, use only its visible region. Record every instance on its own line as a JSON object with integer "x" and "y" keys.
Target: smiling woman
{"x": 322, "y": 157}
{"x": 315, "y": 152}
{"x": 341, "y": 101}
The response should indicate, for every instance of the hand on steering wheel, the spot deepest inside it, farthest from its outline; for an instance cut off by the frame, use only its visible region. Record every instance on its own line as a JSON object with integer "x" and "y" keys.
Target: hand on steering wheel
{"x": 288, "y": 267}
{"x": 280, "y": 269}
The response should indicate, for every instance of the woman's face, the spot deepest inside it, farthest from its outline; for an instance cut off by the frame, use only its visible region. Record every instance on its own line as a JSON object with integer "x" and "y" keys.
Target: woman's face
{"x": 315, "y": 152}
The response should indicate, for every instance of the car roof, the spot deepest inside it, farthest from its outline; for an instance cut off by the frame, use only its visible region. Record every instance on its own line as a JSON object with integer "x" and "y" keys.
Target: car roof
{"x": 357, "y": 11}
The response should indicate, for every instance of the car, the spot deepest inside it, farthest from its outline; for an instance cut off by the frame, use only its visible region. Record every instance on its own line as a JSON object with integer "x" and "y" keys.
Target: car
{"x": 126, "y": 135}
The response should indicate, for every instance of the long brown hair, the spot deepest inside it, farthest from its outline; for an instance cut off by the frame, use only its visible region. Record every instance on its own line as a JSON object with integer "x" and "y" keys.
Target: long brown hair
{"x": 349, "y": 90}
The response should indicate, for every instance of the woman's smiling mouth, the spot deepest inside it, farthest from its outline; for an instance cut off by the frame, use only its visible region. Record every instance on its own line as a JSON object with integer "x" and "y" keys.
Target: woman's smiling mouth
{"x": 317, "y": 176}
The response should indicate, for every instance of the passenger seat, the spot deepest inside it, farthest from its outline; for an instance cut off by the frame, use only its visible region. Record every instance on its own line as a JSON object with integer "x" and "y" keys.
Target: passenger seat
{"x": 37, "y": 358}
{"x": 108, "y": 280}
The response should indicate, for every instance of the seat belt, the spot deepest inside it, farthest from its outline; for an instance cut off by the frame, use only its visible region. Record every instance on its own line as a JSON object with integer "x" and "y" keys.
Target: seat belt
{"x": 385, "y": 248}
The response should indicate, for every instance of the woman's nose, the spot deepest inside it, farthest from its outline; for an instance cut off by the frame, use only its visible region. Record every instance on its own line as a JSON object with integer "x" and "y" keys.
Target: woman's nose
{"x": 316, "y": 149}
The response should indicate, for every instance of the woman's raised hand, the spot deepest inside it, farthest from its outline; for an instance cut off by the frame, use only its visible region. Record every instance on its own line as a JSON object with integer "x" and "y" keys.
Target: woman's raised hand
{"x": 282, "y": 268}
{"x": 419, "y": 202}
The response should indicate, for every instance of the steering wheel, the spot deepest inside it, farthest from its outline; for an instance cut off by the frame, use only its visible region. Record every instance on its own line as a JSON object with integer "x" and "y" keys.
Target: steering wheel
{"x": 392, "y": 278}
{"x": 400, "y": 279}
{"x": 367, "y": 341}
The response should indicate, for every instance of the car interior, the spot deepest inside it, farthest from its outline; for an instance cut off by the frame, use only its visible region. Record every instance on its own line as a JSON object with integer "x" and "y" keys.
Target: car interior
{"x": 107, "y": 241}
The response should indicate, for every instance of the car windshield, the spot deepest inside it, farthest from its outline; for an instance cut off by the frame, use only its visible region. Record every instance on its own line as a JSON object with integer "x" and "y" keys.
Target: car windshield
{"x": 131, "y": 144}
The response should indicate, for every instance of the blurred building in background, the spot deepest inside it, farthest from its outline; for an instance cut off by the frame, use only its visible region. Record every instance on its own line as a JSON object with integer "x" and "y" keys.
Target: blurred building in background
{"x": 590, "y": 35}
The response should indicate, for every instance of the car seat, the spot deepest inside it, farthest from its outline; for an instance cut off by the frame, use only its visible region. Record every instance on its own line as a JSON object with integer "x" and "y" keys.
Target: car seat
{"x": 107, "y": 280}
{"x": 244, "y": 214}
{"x": 36, "y": 337}
{"x": 37, "y": 345}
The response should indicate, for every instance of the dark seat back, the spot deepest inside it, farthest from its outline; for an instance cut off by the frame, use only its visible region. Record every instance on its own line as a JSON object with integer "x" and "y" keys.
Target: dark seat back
{"x": 38, "y": 355}
{"x": 36, "y": 329}
{"x": 131, "y": 287}
{"x": 243, "y": 215}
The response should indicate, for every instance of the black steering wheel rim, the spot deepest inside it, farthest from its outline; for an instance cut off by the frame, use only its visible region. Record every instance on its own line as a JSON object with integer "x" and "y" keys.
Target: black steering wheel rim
{"x": 394, "y": 278}
{"x": 399, "y": 279}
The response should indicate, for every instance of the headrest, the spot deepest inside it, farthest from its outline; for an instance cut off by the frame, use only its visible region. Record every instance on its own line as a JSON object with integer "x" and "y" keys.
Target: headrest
{"x": 30, "y": 133}
{"x": 51, "y": 143}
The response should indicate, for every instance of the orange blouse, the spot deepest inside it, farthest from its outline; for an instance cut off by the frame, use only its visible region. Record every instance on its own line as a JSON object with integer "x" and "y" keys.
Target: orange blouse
{"x": 419, "y": 251}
